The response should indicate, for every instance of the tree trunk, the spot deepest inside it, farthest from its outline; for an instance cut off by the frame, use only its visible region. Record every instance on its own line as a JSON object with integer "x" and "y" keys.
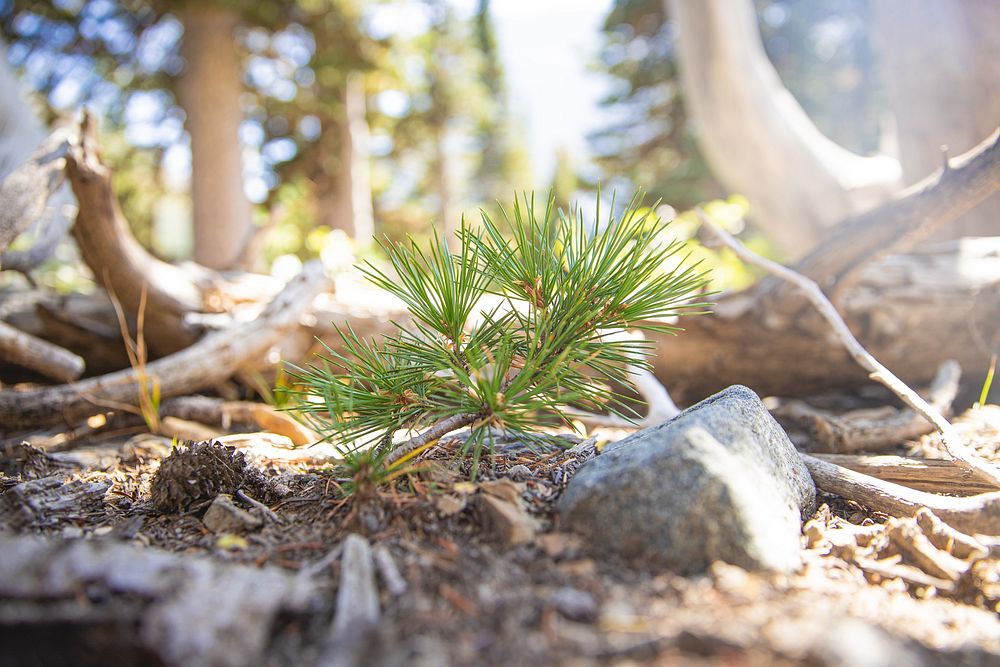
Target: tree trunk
{"x": 449, "y": 218}
{"x": 209, "y": 91}
{"x": 348, "y": 206}
{"x": 942, "y": 71}
{"x": 757, "y": 138}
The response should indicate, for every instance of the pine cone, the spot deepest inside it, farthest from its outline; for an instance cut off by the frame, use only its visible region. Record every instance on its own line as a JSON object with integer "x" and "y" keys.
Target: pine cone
{"x": 201, "y": 471}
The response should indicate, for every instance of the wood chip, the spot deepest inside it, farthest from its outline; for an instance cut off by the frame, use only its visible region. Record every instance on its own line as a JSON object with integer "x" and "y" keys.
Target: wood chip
{"x": 508, "y": 521}
{"x": 223, "y": 516}
{"x": 912, "y": 542}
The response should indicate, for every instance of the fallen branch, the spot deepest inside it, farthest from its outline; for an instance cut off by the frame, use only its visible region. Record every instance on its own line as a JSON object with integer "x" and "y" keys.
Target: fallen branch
{"x": 973, "y": 514}
{"x": 950, "y": 438}
{"x": 225, "y": 414}
{"x": 931, "y": 475}
{"x": 872, "y": 430}
{"x": 39, "y": 355}
{"x": 208, "y": 362}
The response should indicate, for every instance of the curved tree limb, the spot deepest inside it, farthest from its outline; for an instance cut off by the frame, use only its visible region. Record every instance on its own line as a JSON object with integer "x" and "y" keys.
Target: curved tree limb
{"x": 912, "y": 216}
{"x": 208, "y": 362}
{"x": 758, "y": 139}
{"x": 117, "y": 260}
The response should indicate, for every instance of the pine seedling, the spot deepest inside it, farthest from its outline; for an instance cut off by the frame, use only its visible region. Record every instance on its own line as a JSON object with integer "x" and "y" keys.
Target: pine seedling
{"x": 559, "y": 290}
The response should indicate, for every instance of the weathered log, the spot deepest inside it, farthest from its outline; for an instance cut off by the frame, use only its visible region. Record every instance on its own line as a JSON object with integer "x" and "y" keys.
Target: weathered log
{"x": 972, "y": 514}
{"x": 931, "y": 475}
{"x": 912, "y": 312}
{"x": 206, "y": 363}
{"x": 154, "y": 608}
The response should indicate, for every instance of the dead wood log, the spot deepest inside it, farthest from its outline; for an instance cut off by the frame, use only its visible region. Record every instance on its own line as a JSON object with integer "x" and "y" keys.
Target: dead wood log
{"x": 912, "y": 311}
{"x": 931, "y": 475}
{"x": 950, "y": 438}
{"x": 972, "y": 514}
{"x": 206, "y": 363}
{"x": 39, "y": 355}
{"x": 173, "y": 609}
{"x": 25, "y": 193}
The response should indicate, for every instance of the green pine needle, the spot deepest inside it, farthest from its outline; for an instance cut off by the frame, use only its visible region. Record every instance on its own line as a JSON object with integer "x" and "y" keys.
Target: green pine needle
{"x": 562, "y": 288}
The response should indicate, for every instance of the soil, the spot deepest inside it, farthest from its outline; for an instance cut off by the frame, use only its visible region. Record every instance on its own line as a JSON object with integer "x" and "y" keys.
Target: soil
{"x": 475, "y": 596}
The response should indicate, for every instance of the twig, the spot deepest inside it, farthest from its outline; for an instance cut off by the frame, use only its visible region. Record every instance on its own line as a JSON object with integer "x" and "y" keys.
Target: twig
{"x": 393, "y": 580}
{"x": 265, "y": 511}
{"x": 439, "y": 429}
{"x": 949, "y": 436}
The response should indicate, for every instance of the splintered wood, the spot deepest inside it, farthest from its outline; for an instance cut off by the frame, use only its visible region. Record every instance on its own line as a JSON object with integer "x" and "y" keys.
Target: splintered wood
{"x": 922, "y": 551}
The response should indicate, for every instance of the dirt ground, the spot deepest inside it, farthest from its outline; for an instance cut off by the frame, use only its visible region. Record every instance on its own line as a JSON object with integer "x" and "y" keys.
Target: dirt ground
{"x": 478, "y": 594}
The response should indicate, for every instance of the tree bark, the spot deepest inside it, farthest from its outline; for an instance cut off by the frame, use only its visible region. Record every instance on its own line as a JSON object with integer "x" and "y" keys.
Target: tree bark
{"x": 209, "y": 92}
{"x": 757, "y": 138}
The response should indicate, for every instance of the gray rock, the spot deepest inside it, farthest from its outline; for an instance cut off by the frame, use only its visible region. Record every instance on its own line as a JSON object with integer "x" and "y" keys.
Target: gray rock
{"x": 721, "y": 481}
{"x": 223, "y": 516}
{"x": 574, "y": 604}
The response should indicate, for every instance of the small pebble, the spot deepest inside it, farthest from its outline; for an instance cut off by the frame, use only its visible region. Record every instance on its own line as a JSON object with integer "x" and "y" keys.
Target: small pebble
{"x": 574, "y": 604}
{"x": 519, "y": 473}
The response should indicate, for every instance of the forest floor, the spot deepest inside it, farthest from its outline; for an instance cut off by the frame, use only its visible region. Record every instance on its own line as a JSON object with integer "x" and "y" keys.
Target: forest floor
{"x": 481, "y": 591}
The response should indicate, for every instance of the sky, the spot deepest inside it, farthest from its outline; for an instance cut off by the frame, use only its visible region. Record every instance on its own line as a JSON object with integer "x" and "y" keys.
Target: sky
{"x": 547, "y": 47}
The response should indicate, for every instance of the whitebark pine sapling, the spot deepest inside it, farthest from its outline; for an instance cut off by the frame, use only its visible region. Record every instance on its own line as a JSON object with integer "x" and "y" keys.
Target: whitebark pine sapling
{"x": 561, "y": 288}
